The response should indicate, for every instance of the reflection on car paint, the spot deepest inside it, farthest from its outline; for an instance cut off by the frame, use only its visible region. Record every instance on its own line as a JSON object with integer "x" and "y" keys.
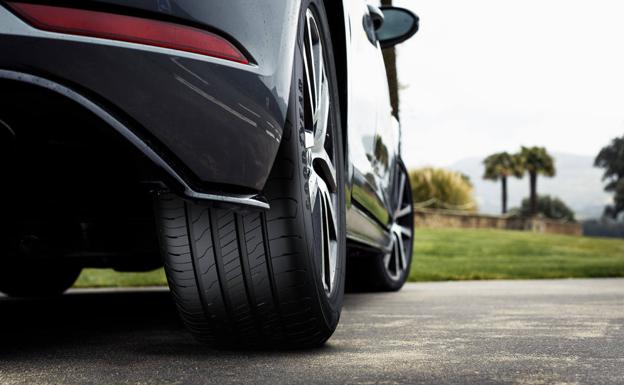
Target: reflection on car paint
{"x": 216, "y": 101}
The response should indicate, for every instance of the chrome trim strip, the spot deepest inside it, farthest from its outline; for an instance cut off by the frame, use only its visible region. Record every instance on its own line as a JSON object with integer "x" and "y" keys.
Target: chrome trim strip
{"x": 254, "y": 201}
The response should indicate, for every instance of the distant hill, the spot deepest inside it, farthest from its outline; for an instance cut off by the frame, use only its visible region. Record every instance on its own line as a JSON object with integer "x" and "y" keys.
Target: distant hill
{"x": 577, "y": 183}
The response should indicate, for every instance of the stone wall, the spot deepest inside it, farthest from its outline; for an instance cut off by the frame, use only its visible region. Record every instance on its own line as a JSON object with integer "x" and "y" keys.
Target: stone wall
{"x": 439, "y": 219}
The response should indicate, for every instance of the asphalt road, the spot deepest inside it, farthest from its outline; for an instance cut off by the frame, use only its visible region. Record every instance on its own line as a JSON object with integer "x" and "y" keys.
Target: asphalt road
{"x": 530, "y": 332}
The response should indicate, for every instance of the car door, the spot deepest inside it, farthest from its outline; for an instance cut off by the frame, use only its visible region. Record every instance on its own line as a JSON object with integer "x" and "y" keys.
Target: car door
{"x": 369, "y": 118}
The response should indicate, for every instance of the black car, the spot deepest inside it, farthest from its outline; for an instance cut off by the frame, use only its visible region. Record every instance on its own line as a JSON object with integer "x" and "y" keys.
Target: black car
{"x": 252, "y": 143}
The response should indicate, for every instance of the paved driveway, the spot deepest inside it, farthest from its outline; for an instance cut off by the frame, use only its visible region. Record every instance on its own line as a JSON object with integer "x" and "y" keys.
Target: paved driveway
{"x": 532, "y": 332}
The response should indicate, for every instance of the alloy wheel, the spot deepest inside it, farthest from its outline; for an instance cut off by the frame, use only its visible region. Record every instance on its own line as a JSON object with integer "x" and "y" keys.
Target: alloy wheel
{"x": 321, "y": 152}
{"x": 397, "y": 259}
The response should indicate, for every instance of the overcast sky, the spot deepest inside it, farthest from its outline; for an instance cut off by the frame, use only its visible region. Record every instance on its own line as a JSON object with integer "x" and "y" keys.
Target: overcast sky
{"x": 483, "y": 76}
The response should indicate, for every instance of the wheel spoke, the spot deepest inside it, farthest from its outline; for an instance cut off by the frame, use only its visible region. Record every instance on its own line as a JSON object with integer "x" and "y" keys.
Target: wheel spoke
{"x": 403, "y": 231}
{"x": 309, "y": 61}
{"x": 320, "y": 156}
{"x": 407, "y": 210}
{"x": 326, "y": 257}
{"x": 324, "y": 164}
{"x": 309, "y": 140}
{"x": 386, "y": 259}
{"x": 309, "y": 89}
{"x": 329, "y": 236}
{"x": 313, "y": 185}
{"x": 397, "y": 260}
{"x": 401, "y": 189}
{"x": 330, "y": 213}
{"x": 330, "y": 240}
{"x": 321, "y": 117}
{"x": 402, "y": 253}
{"x": 319, "y": 67}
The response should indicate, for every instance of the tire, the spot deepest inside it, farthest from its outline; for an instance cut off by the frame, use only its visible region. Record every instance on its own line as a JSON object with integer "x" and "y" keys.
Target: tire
{"x": 259, "y": 279}
{"x": 375, "y": 271}
{"x": 37, "y": 279}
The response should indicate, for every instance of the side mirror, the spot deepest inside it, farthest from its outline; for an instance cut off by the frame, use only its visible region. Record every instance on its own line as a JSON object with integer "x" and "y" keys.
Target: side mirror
{"x": 399, "y": 24}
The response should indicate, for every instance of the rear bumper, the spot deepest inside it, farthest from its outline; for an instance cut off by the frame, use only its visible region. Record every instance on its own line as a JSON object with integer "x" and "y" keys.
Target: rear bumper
{"x": 216, "y": 125}
{"x": 176, "y": 181}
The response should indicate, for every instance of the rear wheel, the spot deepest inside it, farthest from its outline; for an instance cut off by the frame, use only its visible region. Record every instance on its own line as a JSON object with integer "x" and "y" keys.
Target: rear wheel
{"x": 272, "y": 278}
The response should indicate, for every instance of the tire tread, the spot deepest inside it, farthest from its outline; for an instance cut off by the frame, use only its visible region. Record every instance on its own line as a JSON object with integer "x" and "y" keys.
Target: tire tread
{"x": 239, "y": 278}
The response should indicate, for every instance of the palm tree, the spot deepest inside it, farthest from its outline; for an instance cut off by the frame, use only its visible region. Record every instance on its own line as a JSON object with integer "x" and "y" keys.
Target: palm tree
{"x": 501, "y": 166}
{"x": 536, "y": 160}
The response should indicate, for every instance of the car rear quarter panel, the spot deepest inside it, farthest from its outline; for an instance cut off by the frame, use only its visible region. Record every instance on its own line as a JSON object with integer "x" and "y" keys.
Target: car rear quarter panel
{"x": 221, "y": 122}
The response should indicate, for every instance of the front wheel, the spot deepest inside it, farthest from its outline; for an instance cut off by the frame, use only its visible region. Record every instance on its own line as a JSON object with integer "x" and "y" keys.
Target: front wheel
{"x": 388, "y": 270}
{"x": 272, "y": 278}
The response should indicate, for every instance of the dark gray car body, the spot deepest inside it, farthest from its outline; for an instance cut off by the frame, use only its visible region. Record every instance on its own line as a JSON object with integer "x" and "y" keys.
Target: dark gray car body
{"x": 216, "y": 125}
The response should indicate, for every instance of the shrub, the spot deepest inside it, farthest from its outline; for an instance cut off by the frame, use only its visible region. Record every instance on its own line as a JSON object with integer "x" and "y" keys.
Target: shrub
{"x": 550, "y": 207}
{"x": 442, "y": 189}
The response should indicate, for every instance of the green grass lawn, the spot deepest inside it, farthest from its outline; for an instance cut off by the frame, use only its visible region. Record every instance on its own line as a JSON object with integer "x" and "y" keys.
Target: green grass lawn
{"x": 111, "y": 278}
{"x": 457, "y": 254}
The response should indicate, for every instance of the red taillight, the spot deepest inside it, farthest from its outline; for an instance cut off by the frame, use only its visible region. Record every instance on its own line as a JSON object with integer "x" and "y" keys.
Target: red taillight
{"x": 128, "y": 28}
